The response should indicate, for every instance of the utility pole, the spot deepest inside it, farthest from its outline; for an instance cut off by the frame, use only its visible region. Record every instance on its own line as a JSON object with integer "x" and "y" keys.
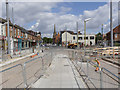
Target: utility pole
{"x": 77, "y": 33}
{"x": 8, "y": 34}
{"x": 102, "y": 33}
{"x": 13, "y": 25}
{"x": 111, "y": 23}
{"x": 85, "y": 29}
{"x": 84, "y": 33}
{"x": 66, "y": 38}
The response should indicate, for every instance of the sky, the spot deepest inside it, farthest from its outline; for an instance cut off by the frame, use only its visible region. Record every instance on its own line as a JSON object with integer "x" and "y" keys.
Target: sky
{"x": 41, "y": 16}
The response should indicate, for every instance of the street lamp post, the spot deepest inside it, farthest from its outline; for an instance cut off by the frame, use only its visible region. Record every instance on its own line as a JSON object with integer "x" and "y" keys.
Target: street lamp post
{"x": 102, "y": 35}
{"x": 84, "y": 33}
{"x": 77, "y": 33}
{"x": 85, "y": 30}
{"x": 66, "y": 39}
{"x": 66, "y": 35}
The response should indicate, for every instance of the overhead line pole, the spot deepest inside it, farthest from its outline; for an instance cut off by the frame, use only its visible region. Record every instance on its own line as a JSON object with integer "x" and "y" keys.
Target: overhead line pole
{"x": 66, "y": 37}
{"x": 84, "y": 33}
{"x": 111, "y": 23}
{"x": 77, "y": 33}
{"x": 102, "y": 34}
{"x": 8, "y": 34}
{"x": 13, "y": 25}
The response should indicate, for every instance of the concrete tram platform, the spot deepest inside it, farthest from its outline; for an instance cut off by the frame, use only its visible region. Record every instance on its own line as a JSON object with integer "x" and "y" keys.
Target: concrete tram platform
{"x": 60, "y": 74}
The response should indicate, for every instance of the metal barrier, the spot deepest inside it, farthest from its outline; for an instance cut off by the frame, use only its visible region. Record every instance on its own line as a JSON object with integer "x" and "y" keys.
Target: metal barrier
{"x": 41, "y": 58}
{"x": 10, "y": 68}
{"x": 14, "y": 67}
{"x": 88, "y": 64}
{"x": 23, "y": 67}
{"x": 16, "y": 53}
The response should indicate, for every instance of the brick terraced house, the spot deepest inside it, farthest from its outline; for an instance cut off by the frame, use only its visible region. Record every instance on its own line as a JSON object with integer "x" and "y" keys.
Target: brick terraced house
{"x": 116, "y": 36}
{"x": 21, "y": 37}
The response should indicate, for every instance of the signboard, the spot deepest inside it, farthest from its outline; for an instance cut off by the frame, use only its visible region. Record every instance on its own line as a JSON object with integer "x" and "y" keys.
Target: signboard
{"x": 18, "y": 37}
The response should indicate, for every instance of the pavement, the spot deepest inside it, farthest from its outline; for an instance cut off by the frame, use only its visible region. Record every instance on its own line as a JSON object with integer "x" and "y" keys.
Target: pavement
{"x": 9, "y": 61}
{"x": 60, "y": 74}
{"x": 14, "y": 60}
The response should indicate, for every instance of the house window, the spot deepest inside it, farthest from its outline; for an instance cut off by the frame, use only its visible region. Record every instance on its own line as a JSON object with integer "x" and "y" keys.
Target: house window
{"x": 15, "y": 32}
{"x": 26, "y": 44}
{"x": 91, "y": 37}
{"x": 73, "y": 37}
{"x": 79, "y": 38}
{"x": 86, "y": 38}
{"x": 26, "y": 35}
{"x": 18, "y": 32}
{"x": 115, "y": 35}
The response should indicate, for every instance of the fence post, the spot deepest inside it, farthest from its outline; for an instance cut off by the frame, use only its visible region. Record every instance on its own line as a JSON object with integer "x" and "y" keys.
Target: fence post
{"x": 81, "y": 61}
{"x": 51, "y": 55}
{"x": 20, "y": 53}
{"x": 24, "y": 75}
{"x": 72, "y": 54}
{"x": 42, "y": 65}
{"x": 100, "y": 77}
{"x": 76, "y": 57}
{"x": 87, "y": 69}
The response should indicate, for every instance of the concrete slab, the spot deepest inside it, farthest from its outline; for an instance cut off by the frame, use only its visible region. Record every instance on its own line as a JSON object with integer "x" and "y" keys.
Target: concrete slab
{"x": 60, "y": 74}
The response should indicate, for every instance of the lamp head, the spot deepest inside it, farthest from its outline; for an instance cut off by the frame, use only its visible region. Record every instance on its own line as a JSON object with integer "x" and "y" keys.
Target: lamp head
{"x": 87, "y": 19}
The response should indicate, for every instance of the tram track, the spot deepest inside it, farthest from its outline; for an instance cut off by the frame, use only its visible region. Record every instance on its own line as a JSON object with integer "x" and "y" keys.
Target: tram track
{"x": 115, "y": 63}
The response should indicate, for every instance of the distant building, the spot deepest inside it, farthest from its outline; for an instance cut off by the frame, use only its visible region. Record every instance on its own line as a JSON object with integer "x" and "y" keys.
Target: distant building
{"x": 116, "y": 36}
{"x": 56, "y": 37}
{"x": 71, "y": 37}
{"x": 20, "y": 38}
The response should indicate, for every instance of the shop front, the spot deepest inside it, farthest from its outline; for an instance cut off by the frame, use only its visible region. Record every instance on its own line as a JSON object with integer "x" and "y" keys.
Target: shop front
{"x": 19, "y": 43}
{"x": 3, "y": 42}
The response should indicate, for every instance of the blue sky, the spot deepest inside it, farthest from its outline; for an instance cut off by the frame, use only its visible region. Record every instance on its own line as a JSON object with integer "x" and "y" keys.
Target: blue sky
{"x": 78, "y": 7}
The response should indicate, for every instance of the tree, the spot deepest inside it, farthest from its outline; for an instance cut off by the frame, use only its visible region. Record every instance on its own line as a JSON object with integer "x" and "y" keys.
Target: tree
{"x": 98, "y": 37}
{"x": 47, "y": 40}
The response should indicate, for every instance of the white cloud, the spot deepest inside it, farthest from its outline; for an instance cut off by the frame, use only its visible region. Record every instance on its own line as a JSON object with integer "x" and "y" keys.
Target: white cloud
{"x": 0, "y": 8}
{"x": 64, "y": 10}
{"x": 45, "y": 18}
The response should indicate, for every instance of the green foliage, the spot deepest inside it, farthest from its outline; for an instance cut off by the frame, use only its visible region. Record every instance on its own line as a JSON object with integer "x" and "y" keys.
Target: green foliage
{"x": 47, "y": 40}
{"x": 98, "y": 37}
{"x": 116, "y": 44}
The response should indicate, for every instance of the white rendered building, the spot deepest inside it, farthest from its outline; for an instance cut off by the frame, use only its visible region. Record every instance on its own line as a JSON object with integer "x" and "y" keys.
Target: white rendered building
{"x": 72, "y": 38}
